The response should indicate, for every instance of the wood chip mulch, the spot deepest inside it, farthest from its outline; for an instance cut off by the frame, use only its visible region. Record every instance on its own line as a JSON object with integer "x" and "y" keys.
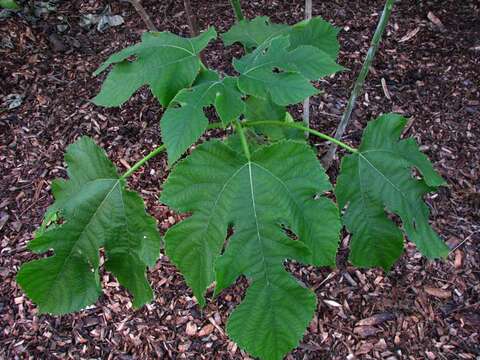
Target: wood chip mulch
{"x": 427, "y": 68}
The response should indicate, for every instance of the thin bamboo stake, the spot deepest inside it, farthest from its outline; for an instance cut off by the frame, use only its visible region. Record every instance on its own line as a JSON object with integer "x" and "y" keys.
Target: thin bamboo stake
{"x": 306, "y": 102}
{"x": 357, "y": 88}
{"x": 143, "y": 14}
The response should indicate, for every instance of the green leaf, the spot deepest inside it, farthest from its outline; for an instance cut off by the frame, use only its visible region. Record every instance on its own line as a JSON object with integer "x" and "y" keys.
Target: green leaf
{"x": 164, "y": 61}
{"x": 276, "y": 190}
{"x": 184, "y": 121}
{"x": 318, "y": 33}
{"x": 97, "y": 211}
{"x": 257, "y": 109}
{"x": 252, "y": 33}
{"x": 9, "y": 4}
{"x": 379, "y": 177}
{"x": 271, "y": 69}
{"x": 314, "y": 32}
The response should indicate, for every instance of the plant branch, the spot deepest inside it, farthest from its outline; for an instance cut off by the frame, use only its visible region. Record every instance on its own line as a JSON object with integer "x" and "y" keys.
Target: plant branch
{"x": 237, "y": 8}
{"x": 243, "y": 139}
{"x": 141, "y": 162}
{"x": 296, "y": 125}
{"x": 143, "y": 14}
{"x": 357, "y": 88}
{"x": 192, "y": 21}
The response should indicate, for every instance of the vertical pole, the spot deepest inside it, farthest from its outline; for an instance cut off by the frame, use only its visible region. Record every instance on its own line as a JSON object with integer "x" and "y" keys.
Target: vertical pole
{"x": 357, "y": 88}
{"x": 306, "y": 102}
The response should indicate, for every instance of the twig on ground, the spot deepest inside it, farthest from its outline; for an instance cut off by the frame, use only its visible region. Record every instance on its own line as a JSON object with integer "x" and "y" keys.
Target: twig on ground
{"x": 191, "y": 18}
{"x": 143, "y": 14}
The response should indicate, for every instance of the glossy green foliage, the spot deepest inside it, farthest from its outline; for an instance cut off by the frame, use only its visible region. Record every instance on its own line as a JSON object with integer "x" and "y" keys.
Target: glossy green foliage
{"x": 164, "y": 61}
{"x": 280, "y": 188}
{"x": 251, "y": 202}
{"x": 9, "y": 4}
{"x": 97, "y": 211}
{"x": 277, "y": 73}
{"x": 302, "y": 37}
{"x": 252, "y": 33}
{"x": 283, "y": 74}
{"x": 378, "y": 178}
{"x": 258, "y": 109}
{"x": 184, "y": 121}
{"x": 315, "y": 32}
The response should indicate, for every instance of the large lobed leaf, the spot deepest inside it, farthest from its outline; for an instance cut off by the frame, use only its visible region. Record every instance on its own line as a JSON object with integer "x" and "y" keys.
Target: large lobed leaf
{"x": 184, "y": 121}
{"x": 273, "y": 69}
{"x": 379, "y": 177}
{"x": 164, "y": 61}
{"x": 97, "y": 211}
{"x": 276, "y": 190}
{"x": 314, "y": 32}
{"x": 252, "y": 33}
{"x": 284, "y": 60}
{"x": 277, "y": 73}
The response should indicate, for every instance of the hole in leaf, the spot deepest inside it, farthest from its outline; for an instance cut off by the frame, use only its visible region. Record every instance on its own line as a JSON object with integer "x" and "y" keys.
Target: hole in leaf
{"x": 230, "y": 232}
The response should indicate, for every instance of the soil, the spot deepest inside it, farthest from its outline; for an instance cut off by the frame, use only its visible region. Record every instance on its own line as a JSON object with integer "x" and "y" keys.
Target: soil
{"x": 429, "y": 65}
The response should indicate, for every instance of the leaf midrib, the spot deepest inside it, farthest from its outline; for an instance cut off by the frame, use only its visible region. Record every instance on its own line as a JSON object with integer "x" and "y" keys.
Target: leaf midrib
{"x": 413, "y": 208}
{"x": 74, "y": 247}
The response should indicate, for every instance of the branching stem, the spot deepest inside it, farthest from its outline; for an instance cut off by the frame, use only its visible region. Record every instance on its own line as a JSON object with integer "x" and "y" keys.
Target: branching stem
{"x": 143, "y": 14}
{"x": 301, "y": 127}
{"x": 141, "y": 162}
{"x": 239, "y": 127}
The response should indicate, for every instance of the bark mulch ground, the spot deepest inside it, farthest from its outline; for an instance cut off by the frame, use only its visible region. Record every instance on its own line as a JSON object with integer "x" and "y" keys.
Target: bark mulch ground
{"x": 427, "y": 68}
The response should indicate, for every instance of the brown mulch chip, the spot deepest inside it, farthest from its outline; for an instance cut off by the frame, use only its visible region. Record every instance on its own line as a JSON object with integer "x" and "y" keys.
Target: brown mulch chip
{"x": 427, "y": 68}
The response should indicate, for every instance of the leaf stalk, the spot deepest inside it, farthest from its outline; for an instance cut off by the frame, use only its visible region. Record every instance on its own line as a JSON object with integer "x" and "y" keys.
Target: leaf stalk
{"x": 237, "y": 9}
{"x": 243, "y": 139}
{"x": 141, "y": 162}
{"x": 304, "y": 128}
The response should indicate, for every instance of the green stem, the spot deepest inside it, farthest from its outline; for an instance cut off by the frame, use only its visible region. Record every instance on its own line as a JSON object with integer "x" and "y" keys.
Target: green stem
{"x": 357, "y": 88}
{"x": 215, "y": 125}
{"x": 243, "y": 139}
{"x": 301, "y": 127}
{"x": 141, "y": 162}
{"x": 237, "y": 8}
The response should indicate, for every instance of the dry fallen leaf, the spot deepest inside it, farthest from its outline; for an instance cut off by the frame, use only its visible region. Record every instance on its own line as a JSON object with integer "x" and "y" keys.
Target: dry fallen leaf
{"x": 435, "y": 20}
{"x": 364, "y": 349}
{"x": 458, "y": 259}
{"x": 376, "y": 319}
{"x": 191, "y": 328}
{"x": 366, "y": 331}
{"x": 206, "y": 330}
{"x": 409, "y": 35}
{"x": 437, "y": 292}
{"x": 332, "y": 303}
